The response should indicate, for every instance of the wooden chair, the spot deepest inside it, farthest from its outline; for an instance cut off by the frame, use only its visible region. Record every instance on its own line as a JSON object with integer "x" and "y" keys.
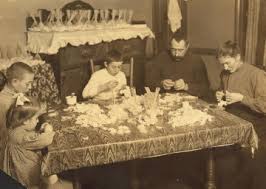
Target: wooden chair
{"x": 127, "y": 68}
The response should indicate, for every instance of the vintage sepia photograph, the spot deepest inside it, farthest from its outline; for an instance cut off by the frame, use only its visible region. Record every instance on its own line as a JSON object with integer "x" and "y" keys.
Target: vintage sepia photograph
{"x": 132, "y": 94}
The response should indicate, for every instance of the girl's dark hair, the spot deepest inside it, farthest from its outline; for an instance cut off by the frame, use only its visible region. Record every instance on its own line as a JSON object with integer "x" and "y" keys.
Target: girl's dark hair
{"x": 229, "y": 48}
{"x": 17, "y": 71}
{"x": 114, "y": 56}
{"x": 17, "y": 115}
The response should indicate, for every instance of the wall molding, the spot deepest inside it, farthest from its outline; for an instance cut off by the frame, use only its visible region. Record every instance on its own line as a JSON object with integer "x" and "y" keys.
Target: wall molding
{"x": 205, "y": 51}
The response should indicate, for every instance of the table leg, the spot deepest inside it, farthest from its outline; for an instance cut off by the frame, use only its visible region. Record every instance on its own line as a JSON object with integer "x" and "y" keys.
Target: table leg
{"x": 76, "y": 181}
{"x": 210, "y": 171}
{"x": 134, "y": 181}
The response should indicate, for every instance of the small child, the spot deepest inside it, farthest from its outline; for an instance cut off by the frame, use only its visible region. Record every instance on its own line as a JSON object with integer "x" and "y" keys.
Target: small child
{"x": 106, "y": 83}
{"x": 23, "y": 157}
{"x": 18, "y": 79}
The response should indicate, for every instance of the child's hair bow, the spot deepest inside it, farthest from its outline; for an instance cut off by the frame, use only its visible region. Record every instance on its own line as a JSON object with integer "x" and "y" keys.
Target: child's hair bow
{"x": 21, "y": 99}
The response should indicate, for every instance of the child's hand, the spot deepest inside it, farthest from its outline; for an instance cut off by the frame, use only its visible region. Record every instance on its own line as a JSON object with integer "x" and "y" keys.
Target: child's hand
{"x": 109, "y": 85}
{"x": 124, "y": 87}
{"x": 43, "y": 109}
{"x": 46, "y": 127}
{"x": 112, "y": 84}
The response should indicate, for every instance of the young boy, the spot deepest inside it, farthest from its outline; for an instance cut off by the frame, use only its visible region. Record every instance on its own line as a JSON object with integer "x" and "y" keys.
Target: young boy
{"x": 19, "y": 77}
{"x": 106, "y": 83}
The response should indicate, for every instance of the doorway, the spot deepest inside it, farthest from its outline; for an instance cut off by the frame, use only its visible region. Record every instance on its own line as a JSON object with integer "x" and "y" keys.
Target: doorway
{"x": 161, "y": 28}
{"x": 205, "y": 23}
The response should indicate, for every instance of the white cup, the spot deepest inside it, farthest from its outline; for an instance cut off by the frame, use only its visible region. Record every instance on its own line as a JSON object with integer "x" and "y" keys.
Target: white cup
{"x": 71, "y": 100}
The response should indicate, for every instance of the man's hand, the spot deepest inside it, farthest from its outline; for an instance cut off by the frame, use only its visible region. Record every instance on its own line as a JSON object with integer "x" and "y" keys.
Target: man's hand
{"x": 233, "y": 97}
{"x": 180, "y": 85}
{"x": 219, "y": 95}
{"x": 168, "y": 84}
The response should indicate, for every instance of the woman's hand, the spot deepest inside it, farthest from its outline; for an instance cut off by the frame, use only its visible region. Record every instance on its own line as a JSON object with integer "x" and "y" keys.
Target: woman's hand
{"x": 233, "y": 97}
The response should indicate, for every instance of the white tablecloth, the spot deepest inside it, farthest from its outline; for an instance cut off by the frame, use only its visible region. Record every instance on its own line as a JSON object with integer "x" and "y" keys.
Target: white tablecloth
{"x": 50, "y": 42}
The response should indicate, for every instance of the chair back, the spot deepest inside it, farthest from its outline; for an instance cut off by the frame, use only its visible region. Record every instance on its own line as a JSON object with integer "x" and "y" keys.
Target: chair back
{"x": 127, "y": 68}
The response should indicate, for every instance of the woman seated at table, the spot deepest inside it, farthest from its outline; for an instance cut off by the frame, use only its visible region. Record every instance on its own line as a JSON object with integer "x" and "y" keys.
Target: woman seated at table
{"x": 106, "y": 83}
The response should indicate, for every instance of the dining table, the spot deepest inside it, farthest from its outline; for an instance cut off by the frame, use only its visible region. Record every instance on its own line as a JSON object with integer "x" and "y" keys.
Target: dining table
{"x": 183, "y": 123}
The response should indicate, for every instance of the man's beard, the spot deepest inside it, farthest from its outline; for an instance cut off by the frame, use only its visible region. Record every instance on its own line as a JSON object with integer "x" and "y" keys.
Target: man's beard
{"x": 177, "y": 58}
{"x": 180, "y": 57}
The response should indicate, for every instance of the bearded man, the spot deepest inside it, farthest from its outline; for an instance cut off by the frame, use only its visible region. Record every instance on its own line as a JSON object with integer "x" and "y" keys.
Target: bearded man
{"x": 177, "y": 69}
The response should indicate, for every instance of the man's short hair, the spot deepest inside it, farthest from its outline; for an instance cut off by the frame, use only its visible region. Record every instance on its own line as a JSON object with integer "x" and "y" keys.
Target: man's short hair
{"x": 178, "y": 44}
{"x": 176, "y": 39}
